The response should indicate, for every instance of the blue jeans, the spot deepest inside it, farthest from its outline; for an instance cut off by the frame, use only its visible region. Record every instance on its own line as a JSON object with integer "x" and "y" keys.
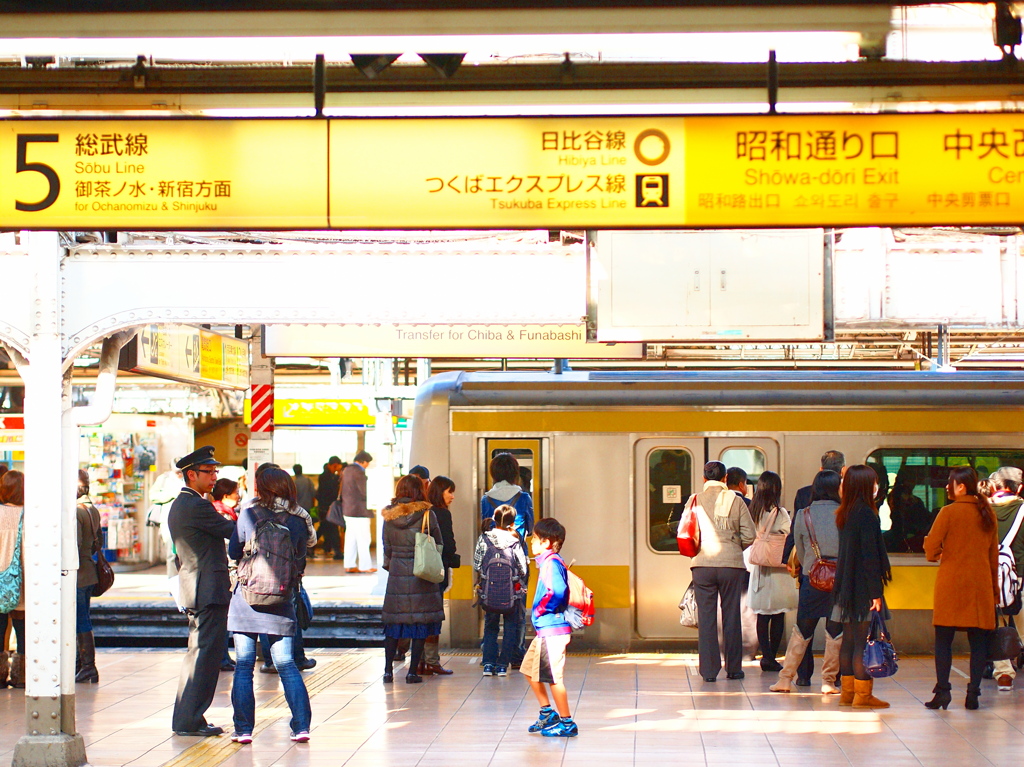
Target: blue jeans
{"x": 509, "y": 640}
{"x": 243, "y": 700}
{"x": 83, "y": 621}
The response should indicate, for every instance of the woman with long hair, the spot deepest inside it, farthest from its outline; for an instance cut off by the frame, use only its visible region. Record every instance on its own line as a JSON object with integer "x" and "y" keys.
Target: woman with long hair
{"x": 413, "y": 608}
{"x": 963, "y": 541}
{"x": 275, "y": 499}
{"x": 862, "y": 570}
{"x": 771, "y": 590}
{"x": 441, "y": 493}
{"x": 814, "y": 604}
{"x": 12, "y": 520}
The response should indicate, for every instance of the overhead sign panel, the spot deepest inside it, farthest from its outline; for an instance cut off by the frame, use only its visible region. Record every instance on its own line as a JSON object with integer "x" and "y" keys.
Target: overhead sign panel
{"x": 521, "y": 172}
{"x": 654, "y": 172}
{"x": 854, "y": 170}
{"x": 470, "y": 341}
{"x": 197, "y": 174}
{"x": 190, "y": 355}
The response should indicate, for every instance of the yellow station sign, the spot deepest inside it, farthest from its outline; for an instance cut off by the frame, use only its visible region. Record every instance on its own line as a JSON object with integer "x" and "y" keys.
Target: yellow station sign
{"x": 188, "y": 354}
{"x": 571, "y": 172}
{"x": 202, "y": 174}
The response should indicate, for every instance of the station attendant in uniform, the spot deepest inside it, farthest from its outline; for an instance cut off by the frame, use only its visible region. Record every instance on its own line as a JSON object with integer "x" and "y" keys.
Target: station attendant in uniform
{"x": 198, "y": 533}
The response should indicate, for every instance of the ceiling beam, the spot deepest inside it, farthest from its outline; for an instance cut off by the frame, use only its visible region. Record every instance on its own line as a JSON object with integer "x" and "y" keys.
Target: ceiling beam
{"x": 345, "y": 78}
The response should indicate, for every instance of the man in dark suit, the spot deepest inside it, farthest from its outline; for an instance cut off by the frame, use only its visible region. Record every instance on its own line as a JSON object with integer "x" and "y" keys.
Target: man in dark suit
{"x": 198, "y": 532}
{"x": 326, "y": 494}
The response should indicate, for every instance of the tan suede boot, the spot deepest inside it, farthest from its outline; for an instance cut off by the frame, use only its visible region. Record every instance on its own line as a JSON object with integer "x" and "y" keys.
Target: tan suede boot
{"x": 794, "y": 654}
{"x": 863, "y": 697}
{"x": 18, "y": 671}
{"x": 830, "y": 665}
{"x": 847, "y": 692}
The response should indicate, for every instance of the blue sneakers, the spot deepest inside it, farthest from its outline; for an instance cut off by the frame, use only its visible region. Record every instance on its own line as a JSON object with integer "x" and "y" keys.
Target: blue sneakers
{"x": 501, "y": 670}
{"x": 563, "y": 728}
{"x": 546, "y": 719}
{"x": 488, "y": 669}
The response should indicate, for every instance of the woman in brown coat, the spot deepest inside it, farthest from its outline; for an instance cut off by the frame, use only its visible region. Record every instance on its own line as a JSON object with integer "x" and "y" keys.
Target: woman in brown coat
{"x": 963, "y": 541}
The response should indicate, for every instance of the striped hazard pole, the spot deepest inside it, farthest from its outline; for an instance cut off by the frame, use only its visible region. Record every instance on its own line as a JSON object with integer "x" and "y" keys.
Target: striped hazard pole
{"x": 262, "y": 408}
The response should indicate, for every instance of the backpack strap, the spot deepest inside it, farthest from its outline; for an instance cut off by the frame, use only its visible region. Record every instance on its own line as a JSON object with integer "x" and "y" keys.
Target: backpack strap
{"x": 1015, "y": 528}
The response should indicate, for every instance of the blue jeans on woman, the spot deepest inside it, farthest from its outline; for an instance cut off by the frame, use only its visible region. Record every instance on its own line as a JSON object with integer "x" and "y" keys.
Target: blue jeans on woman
{"x": 243, "y": 700}
{"x": 509, "y": 640}
{"x": 83, "y": 619}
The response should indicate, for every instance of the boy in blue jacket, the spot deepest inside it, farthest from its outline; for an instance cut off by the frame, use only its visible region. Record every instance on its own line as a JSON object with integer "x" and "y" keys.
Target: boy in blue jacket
{"x": 544, "y": 663}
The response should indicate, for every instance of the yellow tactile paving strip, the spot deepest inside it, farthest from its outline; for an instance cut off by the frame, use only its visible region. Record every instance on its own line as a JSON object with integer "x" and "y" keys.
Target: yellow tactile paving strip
{"x": 210, "y": 752}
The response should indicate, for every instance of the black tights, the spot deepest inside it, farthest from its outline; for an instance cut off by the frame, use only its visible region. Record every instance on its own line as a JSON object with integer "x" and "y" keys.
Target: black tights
{"x": 391, "y": 650}
{"x": 808, "y": 625}
{"x": 978, "y": 639}
{"x": 769, "y": 634}
{"x": 851, "y": 652}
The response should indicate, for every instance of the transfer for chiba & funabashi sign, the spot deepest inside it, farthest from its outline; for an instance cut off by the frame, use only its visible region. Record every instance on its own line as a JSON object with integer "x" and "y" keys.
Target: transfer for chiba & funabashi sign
{"x": 652, "y": 172}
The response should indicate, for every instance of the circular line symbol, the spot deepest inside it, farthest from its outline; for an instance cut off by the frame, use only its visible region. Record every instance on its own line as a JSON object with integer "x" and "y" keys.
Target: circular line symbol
{"x": 666, "y": 146}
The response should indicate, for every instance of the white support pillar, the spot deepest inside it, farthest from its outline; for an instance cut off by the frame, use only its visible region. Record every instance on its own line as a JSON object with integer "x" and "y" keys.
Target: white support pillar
{"x": 50, "y": 579}
{"x": 261, "y": 431}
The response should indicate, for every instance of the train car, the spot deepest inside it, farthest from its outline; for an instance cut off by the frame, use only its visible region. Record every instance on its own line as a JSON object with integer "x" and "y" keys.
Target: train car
{"x": 612, "y": 453}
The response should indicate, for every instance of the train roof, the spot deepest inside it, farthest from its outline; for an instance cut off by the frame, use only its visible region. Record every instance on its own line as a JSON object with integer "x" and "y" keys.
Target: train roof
{"x": 736, "y": 388}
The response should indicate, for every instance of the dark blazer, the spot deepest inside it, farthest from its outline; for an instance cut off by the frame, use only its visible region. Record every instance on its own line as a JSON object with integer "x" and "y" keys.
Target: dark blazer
{"x": 803, "y": 498}
{"x": 199, "y": 532}
{"x": 353, "y": 491}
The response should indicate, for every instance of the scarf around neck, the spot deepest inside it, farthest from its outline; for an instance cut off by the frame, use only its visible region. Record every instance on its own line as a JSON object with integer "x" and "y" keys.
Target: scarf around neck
{"x": 280, "y": 505}
{"x": 723, "y": 503}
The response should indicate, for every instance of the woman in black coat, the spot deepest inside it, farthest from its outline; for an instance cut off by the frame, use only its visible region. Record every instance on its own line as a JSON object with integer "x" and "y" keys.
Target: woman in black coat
{"x": 413, "y": 608}
{"x": 441, "y": 493}
{"x": 862, "y": 570}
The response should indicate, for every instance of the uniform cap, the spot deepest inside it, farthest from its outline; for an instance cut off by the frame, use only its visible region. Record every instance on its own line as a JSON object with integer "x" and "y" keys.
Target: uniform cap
{"x": 201, "y": 457}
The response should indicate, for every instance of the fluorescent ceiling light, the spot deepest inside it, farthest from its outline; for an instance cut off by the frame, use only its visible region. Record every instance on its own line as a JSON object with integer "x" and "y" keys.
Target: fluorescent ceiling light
{"x": 718, "y": 46}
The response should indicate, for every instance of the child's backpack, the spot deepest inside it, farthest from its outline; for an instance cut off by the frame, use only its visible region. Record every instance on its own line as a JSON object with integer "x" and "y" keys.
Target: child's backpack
{"x": 1010, "y": 584}
{"x": 499, "y": 579}
{"x": 269, "y": 569}
{"x": 580, "y": 612}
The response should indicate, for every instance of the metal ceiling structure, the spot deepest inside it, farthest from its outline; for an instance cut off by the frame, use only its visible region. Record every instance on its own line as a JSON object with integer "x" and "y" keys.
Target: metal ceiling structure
{"x": 262, "y": 85}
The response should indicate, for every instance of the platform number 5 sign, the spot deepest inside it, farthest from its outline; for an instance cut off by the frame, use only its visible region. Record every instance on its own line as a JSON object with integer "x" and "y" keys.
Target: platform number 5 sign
{"x": 24, "y": 166}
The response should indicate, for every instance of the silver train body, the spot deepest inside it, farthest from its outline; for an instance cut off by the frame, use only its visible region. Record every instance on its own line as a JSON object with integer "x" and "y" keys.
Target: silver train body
{"x": 611, "y": 454}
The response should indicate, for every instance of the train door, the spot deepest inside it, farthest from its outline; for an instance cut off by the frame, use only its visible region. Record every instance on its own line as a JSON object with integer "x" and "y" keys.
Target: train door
{"x": 528, "y": 453}
{"x": 665, "y": 472}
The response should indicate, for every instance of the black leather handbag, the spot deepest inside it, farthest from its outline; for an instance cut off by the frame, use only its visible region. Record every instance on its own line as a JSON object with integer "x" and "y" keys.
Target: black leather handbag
{"x": 1004, "y": 643}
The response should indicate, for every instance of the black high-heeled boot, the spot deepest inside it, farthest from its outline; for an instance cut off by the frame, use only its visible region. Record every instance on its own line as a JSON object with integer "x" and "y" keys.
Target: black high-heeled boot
{"x": 942, "y": 696}
{"x": 973, "y": 693}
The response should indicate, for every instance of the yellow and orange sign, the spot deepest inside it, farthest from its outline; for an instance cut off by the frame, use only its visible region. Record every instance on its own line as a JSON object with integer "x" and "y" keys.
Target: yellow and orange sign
{"x": 175, "y": 173}
{"x": 652, "y": 172}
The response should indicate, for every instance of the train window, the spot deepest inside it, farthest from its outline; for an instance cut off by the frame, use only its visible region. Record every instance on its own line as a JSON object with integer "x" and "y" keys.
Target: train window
{"x": 750, "y": 459}
{"x": 669, "y": 474}
{"x": 913, "y": 482}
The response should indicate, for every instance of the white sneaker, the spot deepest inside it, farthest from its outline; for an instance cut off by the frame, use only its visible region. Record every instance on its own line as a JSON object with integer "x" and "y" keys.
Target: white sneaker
{"x": 300, "y": 737}
{"x": 1005, "y": 683}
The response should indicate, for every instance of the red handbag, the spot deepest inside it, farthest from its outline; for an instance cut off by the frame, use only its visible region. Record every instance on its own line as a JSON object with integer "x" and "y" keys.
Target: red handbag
{"x": 688, "y": 532}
